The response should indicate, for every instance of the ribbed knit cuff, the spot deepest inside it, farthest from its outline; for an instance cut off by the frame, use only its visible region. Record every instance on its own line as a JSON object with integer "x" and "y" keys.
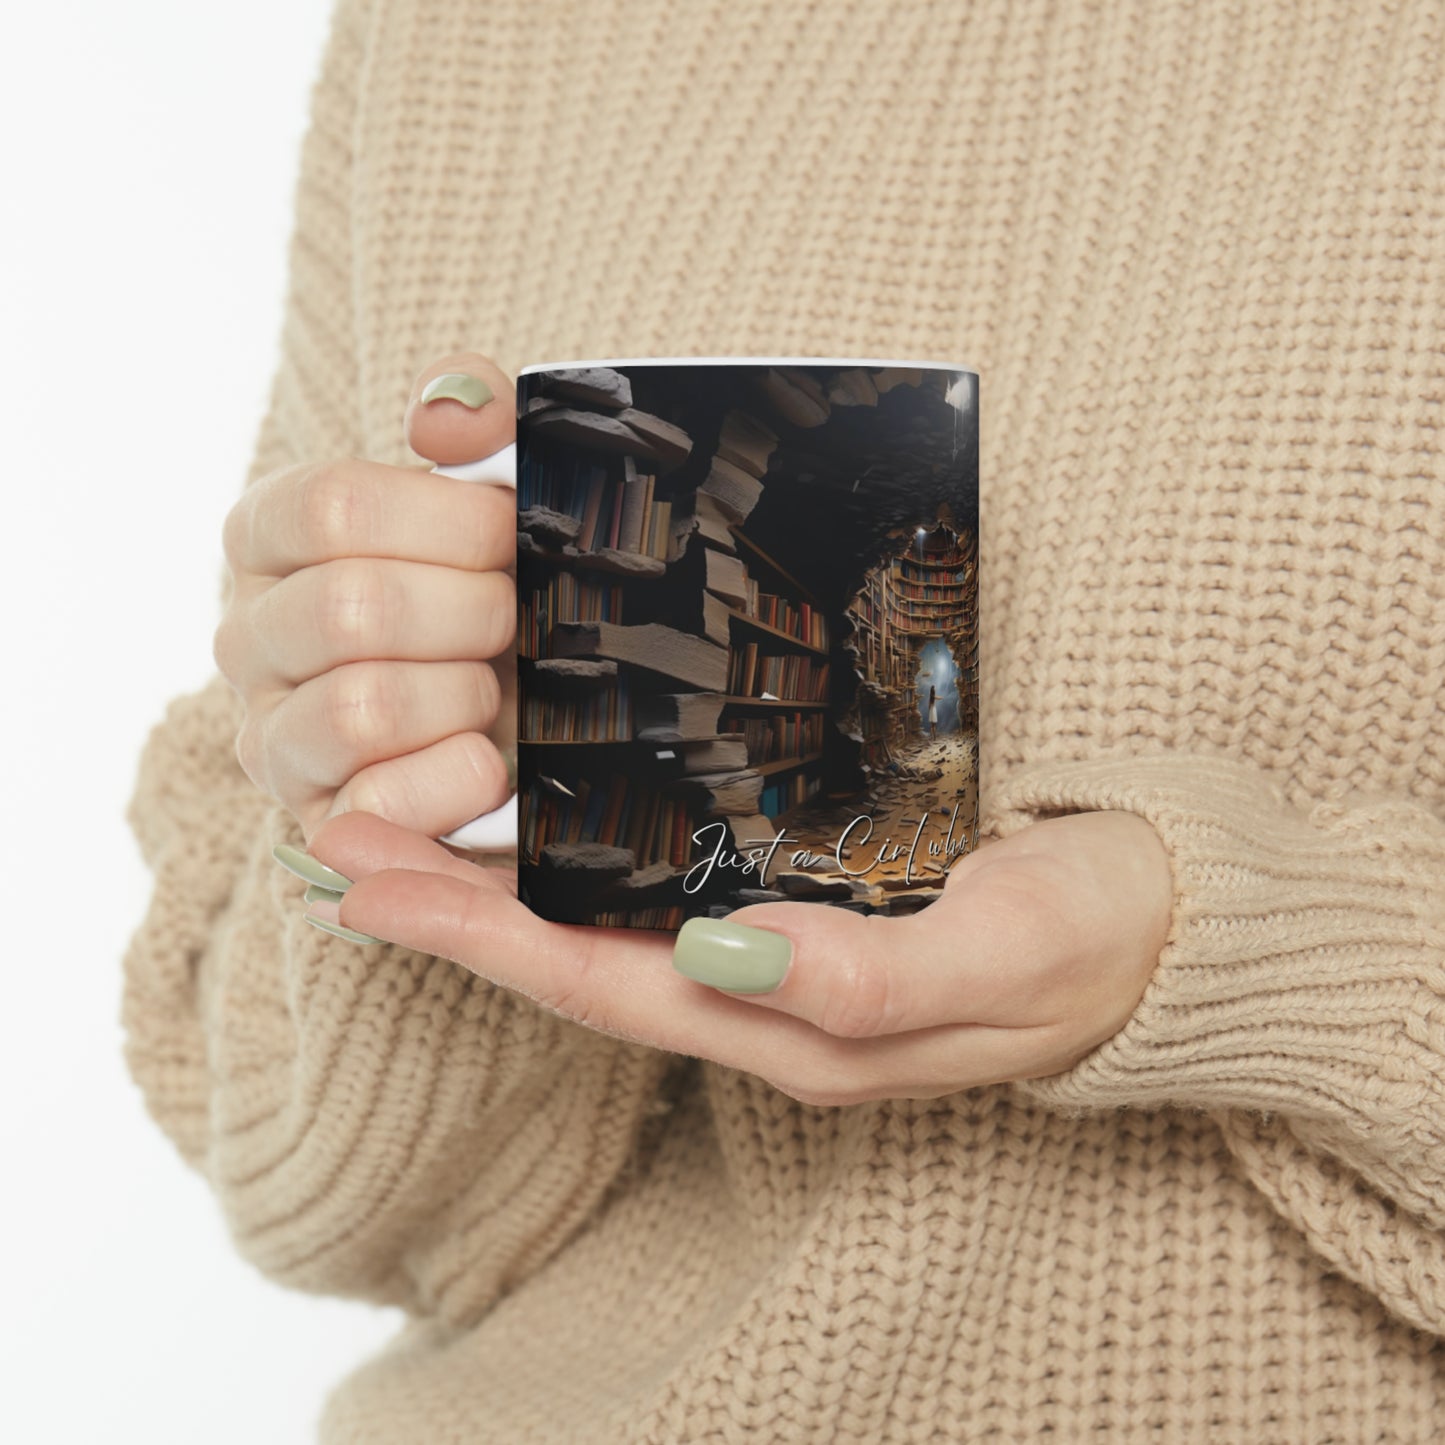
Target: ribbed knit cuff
{"x": 1305, "y": 967}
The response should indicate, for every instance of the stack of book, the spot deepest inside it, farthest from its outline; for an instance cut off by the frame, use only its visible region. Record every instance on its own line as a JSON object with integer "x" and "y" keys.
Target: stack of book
{"x": 751, "y": 673}
{"x": 617, "y": 508}
{"x": 564, "y": 597}
{"x": 928, "y": 597}
{"x": 655, "y": 827}
{"x": 659, "y": 917}
{"x": 788, "y": 792}
{"x": 800, "y": 620}
{"x": 784, "y": 735}
{"x": 601, "y": 714}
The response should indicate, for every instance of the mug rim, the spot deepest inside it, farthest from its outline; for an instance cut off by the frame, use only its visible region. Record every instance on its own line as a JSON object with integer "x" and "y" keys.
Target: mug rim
{"x": 747, "y": 361}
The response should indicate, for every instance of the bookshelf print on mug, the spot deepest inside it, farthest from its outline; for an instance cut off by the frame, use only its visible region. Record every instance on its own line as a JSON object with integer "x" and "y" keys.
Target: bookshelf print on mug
{"x": 748, "y": 635}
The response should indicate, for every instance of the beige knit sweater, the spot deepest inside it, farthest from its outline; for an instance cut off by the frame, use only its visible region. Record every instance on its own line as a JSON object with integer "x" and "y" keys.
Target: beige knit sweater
{"x": 1196, "y": 251}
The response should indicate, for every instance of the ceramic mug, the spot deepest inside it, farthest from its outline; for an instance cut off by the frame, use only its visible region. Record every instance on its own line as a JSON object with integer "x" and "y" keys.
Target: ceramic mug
{"x": 747, "y": 635}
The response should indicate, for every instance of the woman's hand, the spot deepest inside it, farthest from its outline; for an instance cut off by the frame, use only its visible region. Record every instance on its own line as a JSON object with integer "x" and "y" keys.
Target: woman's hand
{"x": 1038, "y": 951}
{"x": 366, "y": 600}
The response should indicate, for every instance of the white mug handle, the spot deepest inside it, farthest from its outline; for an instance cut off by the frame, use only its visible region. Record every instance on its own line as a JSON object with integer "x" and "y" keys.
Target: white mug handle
{"x": 495, "y": 831}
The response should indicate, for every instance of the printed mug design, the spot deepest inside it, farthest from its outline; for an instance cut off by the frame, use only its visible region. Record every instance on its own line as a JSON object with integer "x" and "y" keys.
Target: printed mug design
{"x": 747, "y": 635}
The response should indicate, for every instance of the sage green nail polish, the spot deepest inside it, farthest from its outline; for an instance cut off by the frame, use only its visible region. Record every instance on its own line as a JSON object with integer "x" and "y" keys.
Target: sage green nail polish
{"x": 339, "y": 930}
{"x": 317, "y": 894}
{"x": 303, "y": 865}
{"x": 732, "y": 955}
{"x": 471, "y": 391}
{"x": 509, "y": 756}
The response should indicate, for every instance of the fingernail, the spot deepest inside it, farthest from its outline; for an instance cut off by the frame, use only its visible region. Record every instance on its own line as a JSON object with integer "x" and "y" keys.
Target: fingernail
{"x": 732, "y": 955}
{"x": 509, "y": 756}
{"x": 303, "y": 865}
{"x": 340, "y": 930}
{"x": 317, "y": 894}
{"x": 471, "y": 391}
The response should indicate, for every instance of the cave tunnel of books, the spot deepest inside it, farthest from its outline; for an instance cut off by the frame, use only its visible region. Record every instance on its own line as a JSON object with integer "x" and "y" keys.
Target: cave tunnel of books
{"x": 739, "y": 588}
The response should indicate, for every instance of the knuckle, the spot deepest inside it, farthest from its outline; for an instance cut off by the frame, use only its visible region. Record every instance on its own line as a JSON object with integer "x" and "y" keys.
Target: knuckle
{"x": 235, "y": 645}
{"x": 330, "y": 508}
{"x": 235, "y": 531}
{"x": 579, "y": 997}
{"x": 860, "y": 1001}
{"x": 572, "y": 997}
{"x": 493, "y": 525}
{"x": 500, "y": 612}
{"x": 250, "y": 751}
{"x": 386, "y": 792}
{"x": 483, "y": 761}
{"x": 223, "y": 646}
{"x": 355, "y": 608}
{"x": 574, "y": 1004}
{"x": 1013, "y": 904}
{"x": 489, "y": 692}
{"x": 1026, "y": 920}
{"x": 360, "y": 708}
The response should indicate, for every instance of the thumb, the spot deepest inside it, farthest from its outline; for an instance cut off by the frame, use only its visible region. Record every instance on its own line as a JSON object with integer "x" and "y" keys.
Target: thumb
{"x": 851, "y": 976}
{"x": 462, "y": 408}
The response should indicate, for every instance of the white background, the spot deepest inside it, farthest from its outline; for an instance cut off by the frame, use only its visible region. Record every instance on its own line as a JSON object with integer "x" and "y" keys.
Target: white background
{"x": 148, "y": 154}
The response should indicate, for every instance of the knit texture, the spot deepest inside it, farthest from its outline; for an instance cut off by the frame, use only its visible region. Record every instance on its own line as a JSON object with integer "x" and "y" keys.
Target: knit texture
{"x": 1195, "y": 251}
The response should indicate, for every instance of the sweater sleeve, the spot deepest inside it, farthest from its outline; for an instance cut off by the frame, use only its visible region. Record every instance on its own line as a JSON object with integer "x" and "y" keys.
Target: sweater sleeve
{"x": 375, "y": 1122}
{"x": 1299, "y": 1000}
